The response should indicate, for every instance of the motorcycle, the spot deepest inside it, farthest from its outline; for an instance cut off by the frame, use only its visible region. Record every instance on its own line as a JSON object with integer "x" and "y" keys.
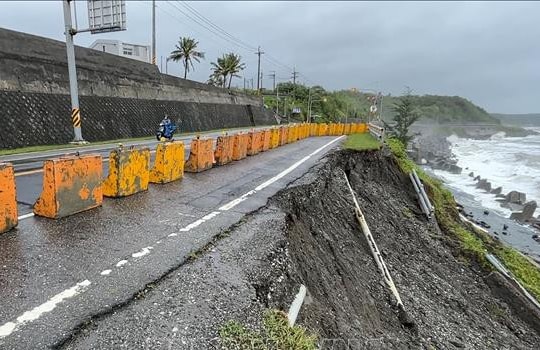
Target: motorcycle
{"x": 165, "y": 131}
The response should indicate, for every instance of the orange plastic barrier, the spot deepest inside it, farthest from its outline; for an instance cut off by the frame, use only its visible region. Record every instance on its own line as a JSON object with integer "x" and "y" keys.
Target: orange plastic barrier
{"x": 224, "y": 149}
{"x": 283, "y": 135}
{"x": 240, "y": 145}
{"x": 266, "y": 136}
{"x": 169, "y": 163}
{"x": 129, "y": 172}
{"x": 274, "y": 137}
{"x": 201, "y": 155}
{"x": 8, "y": 199}
{"x": 254, "y": 142}
{"x": 71, "y": 184}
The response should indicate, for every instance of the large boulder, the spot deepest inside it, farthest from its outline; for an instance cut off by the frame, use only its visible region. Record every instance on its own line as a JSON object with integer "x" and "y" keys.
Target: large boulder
{"x": 497, "y": 190}
{"x": 454, "y": 169}
{"x": 516, "y": 197}
{"x": 484, "y": 185}
{"x": 526, "y": 215}
{"x": 471, "y": 174}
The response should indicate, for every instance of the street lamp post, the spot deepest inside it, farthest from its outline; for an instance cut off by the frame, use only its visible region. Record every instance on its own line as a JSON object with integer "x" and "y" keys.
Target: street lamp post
{"x": 311, "y": 104}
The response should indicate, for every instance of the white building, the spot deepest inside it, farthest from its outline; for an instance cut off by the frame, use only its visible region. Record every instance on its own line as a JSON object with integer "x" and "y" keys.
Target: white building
{"x": 117, "y": 47}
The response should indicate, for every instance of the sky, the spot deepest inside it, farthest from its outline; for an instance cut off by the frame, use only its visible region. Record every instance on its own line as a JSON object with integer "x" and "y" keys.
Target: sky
{"x": 487, "y": 52}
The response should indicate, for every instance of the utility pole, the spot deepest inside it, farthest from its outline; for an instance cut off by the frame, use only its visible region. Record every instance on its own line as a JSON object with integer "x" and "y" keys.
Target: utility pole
{"x": 73, "y": 86}
{"x": 294, "y": 75}
{"x": 273, "y": 76}
{"x": 259, "y": 53}
{"x": 153, "y": 31}
{"x": 261, "y": 78}
{"x": 244, "y": 83}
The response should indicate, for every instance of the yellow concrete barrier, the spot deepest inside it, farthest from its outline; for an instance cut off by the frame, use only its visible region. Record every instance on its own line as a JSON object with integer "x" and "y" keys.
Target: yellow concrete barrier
{"x": 340, "y": 129}
{"x": 201, "y": 155}
{"x": 347, "y": 129}
{"x": 266, "y": 140}
{"x": 362, "y": 127}
{"x": 169, "y": 163}
{"x": 313, "y": 129}
{"x": 323, "y": 129}
{"x": 129, "y": 172}
{"x": 254, "y": 143}
{"x": 332, "y": 129}
{"x": 283, "y": 135}
{"x": 354, "y": 128}
{"x": 240, "y": 145}
{"x": 8, "y": 198}
{"x": 71, "y": 184}
{"x": 224, "y": 149}
{"x": 274, "y": 137}
{"x": 291, "y": 134}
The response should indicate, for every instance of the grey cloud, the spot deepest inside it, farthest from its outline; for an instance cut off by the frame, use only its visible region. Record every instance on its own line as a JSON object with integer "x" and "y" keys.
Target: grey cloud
{"x": 488, "y": 52}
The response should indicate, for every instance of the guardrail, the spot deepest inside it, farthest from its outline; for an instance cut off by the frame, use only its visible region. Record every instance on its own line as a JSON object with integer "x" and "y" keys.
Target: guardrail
{"x": 376, "y": 131}
{"x": 423, "y": 199}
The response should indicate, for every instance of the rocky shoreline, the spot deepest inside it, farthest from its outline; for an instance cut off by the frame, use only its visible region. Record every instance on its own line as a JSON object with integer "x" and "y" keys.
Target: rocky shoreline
{"x": 434, "y": 151}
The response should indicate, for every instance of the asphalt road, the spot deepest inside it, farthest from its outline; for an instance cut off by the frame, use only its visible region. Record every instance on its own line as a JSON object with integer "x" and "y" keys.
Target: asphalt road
{"x": 29, "y": 174}
{"x": 57, "y": 275}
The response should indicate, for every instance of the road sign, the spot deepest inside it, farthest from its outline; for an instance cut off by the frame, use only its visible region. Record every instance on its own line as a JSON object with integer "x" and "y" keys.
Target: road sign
{"x": 296, "y": 110}
{"x": 106, "y": 15}
{"x": 373, "y": 109}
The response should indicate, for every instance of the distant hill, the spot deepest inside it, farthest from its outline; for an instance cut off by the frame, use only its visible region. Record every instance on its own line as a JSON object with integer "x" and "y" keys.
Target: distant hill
{"x": 531, "y": 119}
{"x": 441, "y": 109}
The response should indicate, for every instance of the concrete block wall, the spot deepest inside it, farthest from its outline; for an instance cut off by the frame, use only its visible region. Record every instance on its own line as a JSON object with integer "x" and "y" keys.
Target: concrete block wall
{"x": 119, "y": 97}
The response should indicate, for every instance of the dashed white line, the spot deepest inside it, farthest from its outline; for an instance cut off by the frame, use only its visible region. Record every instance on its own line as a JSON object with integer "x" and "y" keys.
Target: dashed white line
{"x": 38, "y": 311}
{"x": 121, "y": 263}
{"x": 200, "y": 221}
{"x": 143, "y": 252}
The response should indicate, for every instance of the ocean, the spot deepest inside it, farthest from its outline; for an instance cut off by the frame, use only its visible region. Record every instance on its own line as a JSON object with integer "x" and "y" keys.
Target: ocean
{"x": 510, "y": 162}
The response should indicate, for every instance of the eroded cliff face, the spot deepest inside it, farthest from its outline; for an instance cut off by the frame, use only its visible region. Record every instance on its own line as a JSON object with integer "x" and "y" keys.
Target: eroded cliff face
{"x": 449, "y": 301}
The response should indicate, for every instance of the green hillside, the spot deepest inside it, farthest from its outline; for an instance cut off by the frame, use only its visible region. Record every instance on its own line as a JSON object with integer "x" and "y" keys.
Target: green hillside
{"x": 336, "y": 105}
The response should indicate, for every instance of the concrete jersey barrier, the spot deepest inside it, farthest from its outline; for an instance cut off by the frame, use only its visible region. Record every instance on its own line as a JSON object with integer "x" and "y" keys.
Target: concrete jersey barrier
{"x": 169, "y": 163}
{"x": 129, "y": 172}
{"x": 8, "y": 199}
{"x": 224, "y": 149}
{"x": 201, "y": 155}
{"x": 71, "y": 185}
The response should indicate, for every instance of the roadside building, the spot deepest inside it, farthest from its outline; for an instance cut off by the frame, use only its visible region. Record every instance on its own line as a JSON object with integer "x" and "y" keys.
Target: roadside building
{"x": 117, "y": 47}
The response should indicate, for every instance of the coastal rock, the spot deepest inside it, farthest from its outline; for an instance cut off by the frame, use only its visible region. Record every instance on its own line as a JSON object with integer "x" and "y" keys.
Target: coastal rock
{"x": 477, "y": 178}
{"x": 454, "y": 169}
{"x": 528, "y": 210}
{"x": 497, "y": 190}
{"x": 484, "y": 185}
{"x": 471, "y": 174}
{"x": 516, "y": 197}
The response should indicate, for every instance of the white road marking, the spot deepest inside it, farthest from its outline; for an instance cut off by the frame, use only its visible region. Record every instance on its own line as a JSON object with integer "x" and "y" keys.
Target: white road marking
{"x": 270, "y": 181}
{"x": 38, "y": 311}
{"x": 143, "y": 252}
{"x": 121, "y": 263}
{"x": 200, "y": 221}
{"x": 105, "y": 272}
{"x": 26, "y": 216}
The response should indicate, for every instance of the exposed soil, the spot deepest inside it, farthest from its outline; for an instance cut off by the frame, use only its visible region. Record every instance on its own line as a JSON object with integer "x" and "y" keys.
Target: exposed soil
{"x": 308, "y": 234}
{"x": 449, "y": 301}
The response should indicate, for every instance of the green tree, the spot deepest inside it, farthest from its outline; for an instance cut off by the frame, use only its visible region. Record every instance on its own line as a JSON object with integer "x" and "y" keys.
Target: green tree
{"x": 405, "y": 116}
{"x": 226, "y": 68}
{"x": 186, "y": 52}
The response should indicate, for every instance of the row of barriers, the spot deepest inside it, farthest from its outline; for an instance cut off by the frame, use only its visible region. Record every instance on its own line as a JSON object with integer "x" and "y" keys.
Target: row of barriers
{"x": 75, "y": 183}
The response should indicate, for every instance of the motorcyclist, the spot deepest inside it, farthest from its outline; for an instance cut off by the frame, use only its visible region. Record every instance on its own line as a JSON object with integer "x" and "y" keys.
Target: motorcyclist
{"x": 166, "y": 129}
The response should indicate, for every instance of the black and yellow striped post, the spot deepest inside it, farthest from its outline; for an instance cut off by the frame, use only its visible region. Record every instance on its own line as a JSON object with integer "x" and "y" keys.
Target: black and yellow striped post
{"x": 76, "y": 117}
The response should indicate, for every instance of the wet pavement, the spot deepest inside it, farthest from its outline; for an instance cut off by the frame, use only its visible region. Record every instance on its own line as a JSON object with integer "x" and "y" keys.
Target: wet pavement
{"x": 56, "y": 275}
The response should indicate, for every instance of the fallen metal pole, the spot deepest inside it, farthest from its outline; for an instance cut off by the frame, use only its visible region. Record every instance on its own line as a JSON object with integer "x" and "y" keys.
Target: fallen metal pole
{"x": 374, "y": 249}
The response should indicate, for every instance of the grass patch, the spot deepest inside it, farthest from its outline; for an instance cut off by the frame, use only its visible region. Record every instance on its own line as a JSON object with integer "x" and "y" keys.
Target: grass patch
{"x": 275, "y": 334}
{"x": 42, "y": 148}
{"x": 473, "y": 244}
{"x": 362, "y": 142}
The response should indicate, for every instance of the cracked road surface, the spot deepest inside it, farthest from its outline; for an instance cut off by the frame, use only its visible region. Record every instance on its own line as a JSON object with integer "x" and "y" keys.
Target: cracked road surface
{"x": 57, "y": 275}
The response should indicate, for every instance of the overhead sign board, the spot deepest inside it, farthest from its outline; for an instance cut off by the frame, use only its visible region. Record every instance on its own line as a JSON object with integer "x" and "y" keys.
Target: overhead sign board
{"x": 296, "y": 110}
{"x": 106, "y": 15}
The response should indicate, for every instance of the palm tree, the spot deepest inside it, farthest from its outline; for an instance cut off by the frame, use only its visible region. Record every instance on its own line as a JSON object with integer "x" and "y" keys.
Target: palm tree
{"x": 186, "y": 51}
{"x": 226, "y": 68}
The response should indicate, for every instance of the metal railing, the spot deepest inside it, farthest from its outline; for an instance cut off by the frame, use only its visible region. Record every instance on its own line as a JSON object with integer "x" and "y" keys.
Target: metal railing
{"x": 423, "y": 199}
{"x": 376, "y": 131}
